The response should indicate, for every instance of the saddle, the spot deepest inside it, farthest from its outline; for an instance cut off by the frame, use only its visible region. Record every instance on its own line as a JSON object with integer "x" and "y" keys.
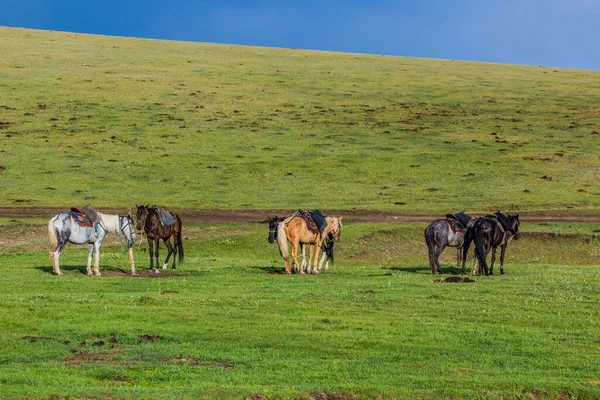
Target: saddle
{"x": 455, "y": 224}
{"x": 315, "y": 220}
{"x": 165, "y": 217}
{"x": 85, "y": 216}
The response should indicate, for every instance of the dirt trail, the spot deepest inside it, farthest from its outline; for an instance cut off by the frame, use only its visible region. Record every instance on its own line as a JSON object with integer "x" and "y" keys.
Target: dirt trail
{"x": 259, "y": 216}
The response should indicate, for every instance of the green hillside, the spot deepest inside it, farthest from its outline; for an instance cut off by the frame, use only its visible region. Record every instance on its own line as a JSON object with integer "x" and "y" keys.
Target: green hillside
{"x": 114, "y": 121}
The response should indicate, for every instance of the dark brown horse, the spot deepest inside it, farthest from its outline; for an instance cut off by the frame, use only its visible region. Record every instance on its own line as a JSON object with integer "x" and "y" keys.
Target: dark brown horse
{"x": 152, "y": 220}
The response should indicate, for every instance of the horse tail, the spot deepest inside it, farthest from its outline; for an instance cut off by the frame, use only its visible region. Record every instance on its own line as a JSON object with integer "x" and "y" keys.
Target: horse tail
{"x": 179, "y": 241}
{"x": 52, "y": 235}
{"x": 479, "y": 236}
{"x": 430, "y": 248}
{"x": 282, "y": 241}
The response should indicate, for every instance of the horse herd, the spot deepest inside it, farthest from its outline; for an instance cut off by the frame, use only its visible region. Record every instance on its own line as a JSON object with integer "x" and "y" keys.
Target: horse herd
{"x": 87, "y": 226}
{"x": 460, "y": 230}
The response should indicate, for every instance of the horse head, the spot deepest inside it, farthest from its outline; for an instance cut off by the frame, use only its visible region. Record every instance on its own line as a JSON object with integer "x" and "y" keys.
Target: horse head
{"x": 273, "y": 226}
{"x": 515, "y": 225}
{"x": 127, "y": 227}
{"x": 510, "y": 223}
{"x": 336, "y": 231}
{"x": 141, "y": 215}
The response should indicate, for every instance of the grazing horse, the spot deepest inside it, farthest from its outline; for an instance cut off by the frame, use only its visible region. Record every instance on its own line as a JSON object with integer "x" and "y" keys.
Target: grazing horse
{"x": 295, "y": 230}
{"x": 327, "y": 247}
{"x": 329, "y": 237}
{"x": 150, "y": 220}
{"x": 449, "y": 231}
{"x": 492, "y": 231}
{"x": 63, "y": 228}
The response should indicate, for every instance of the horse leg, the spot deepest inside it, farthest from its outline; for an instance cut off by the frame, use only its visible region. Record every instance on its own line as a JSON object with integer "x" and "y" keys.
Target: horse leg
{"x": 97, "y": 260}
{"x": 436, "y": 255}
{"x": 156, "y": 246}
{"x": 475, "y": 269}
{"x": 502, "y": 251}
{"x": 287, "y": 265}
{"x": 55, "y": 265}
{"x": 170, "y": 251}
{"x": 150, "y": 251}
{"x": 295, "y": 257}
{"x": 430, "y": 249}
{"x": 493, "y": 259}
{"x": 88, "y": 269}
{"x": 465, "y": 251}
{"x": 175, "y": 245}
{"x": 458, "y": 259}
{"x": 317, "y": 247}
{"x": 323, "y": 260}
{"x": 303, "y": 247}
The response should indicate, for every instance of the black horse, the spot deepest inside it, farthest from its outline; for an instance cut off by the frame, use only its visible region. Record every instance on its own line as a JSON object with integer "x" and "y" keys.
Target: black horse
{"x": 449, "y": 231}
{"x": 492, "y": 231}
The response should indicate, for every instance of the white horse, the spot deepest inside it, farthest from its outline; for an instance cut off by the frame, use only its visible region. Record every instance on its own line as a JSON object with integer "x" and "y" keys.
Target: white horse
{"x": 62, "y": 229}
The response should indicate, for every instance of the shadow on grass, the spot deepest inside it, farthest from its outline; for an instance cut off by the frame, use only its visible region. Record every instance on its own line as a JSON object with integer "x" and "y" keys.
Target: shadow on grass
{"x": 270, "y": 269}
{"x": 63, "y": 268}
{"x": 420, "y": 269}
{"x": 108, "y": 270}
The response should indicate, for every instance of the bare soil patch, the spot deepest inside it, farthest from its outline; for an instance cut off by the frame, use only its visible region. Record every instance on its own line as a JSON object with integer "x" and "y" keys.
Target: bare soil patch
{"x": 260, "y": 216}
{"x": 78, "y": 357}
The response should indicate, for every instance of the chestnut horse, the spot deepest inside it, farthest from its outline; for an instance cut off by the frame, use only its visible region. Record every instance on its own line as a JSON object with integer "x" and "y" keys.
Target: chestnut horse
{"x": 149, "y": 219}
{"x": 295, "y": 230}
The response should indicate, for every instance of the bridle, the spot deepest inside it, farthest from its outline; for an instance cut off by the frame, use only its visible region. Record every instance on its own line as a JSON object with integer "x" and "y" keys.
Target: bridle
{"x": 128, "y": 223}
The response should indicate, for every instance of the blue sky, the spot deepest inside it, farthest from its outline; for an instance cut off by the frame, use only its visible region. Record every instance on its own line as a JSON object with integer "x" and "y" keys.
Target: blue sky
{"x": 556, "y": 33}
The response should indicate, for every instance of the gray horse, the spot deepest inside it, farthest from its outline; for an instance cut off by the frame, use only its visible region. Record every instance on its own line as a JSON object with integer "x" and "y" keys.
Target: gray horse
{"x": 63, "y": 228}
{"x": 449, "y": 231}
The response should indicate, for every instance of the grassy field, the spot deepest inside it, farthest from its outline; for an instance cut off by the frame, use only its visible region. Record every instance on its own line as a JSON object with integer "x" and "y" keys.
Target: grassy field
{"x": 114, "y": 121}
{"x": 232, "y": 325}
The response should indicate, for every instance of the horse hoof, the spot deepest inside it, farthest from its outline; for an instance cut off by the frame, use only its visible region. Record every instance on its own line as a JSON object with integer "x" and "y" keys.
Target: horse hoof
{"x": 97, "y": 274}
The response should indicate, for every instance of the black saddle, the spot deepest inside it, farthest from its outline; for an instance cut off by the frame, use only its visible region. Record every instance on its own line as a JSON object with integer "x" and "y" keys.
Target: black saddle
{"x": 315, "y": 220}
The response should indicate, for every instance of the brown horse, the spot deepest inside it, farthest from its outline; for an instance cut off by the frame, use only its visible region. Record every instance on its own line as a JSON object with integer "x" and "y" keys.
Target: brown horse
{"x": 149, "y": 219}
{"x": 295, "y": 230}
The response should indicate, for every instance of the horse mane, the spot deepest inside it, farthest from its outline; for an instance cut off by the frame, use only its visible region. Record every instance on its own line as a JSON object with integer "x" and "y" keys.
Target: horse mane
{"x": 282, "y": 241}
{"x": 463, "y": 218}
{"x": 505, "y": 221}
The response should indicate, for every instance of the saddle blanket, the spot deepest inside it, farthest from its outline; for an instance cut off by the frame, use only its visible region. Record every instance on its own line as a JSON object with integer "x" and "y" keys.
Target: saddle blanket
{"x": 315, "y": 220}
{"x": 80, "y": 217}
{"x": 165, "y": 217}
